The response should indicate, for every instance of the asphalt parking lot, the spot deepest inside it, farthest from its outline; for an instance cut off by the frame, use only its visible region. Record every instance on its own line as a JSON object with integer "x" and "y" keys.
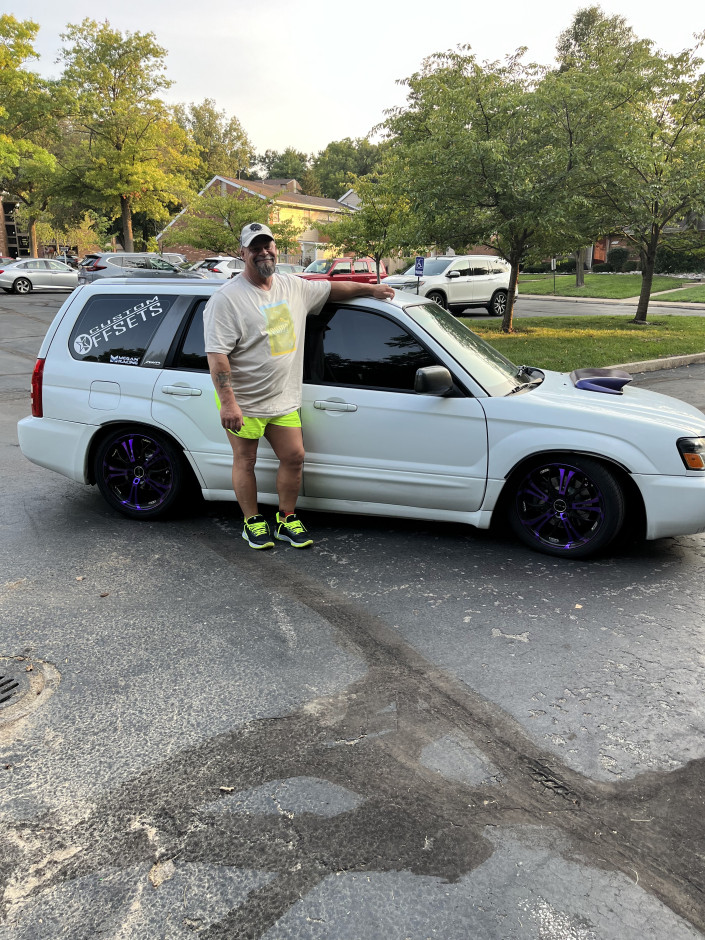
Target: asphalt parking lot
{"x": 410, "y": 731}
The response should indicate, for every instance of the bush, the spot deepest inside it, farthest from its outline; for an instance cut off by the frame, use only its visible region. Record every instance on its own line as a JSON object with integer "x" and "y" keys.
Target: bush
{"x": 542, "y": 268}
{"x": 567, "y": 265}
{"x": 618, "y": 257}
{"x": 602, "y": 267}
{"x": 670, "y": 260}
{"x": 630, "y": 266}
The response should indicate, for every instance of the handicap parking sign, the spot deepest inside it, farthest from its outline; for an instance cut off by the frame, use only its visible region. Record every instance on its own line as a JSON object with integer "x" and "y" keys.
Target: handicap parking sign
{"x": 418, "y": 266}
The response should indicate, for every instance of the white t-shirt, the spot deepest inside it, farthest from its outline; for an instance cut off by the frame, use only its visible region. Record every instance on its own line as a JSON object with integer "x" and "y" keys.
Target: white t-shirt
{"x": 262, "y": 334}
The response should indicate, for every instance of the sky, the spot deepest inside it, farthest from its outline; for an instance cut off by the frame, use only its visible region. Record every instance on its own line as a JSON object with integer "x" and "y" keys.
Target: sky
{"x": 302, "y": 76}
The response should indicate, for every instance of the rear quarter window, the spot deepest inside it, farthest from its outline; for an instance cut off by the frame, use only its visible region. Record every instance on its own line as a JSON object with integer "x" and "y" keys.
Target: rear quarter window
{"x": 118, "y": 329}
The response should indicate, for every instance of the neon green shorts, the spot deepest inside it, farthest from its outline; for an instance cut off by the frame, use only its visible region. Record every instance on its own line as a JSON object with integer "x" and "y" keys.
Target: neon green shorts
{"x": 254, "y": 428}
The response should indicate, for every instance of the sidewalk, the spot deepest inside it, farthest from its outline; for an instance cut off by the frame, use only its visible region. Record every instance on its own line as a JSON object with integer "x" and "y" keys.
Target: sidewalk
{"x": 633, "y": 301}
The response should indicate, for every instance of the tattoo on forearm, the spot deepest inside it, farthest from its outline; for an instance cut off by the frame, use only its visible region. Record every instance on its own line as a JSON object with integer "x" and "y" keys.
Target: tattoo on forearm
{"x": 224, "y": 379}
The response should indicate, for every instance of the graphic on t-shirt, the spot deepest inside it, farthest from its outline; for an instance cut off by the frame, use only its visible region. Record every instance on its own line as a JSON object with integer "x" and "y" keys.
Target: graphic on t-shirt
{"x": 279, "y": 328}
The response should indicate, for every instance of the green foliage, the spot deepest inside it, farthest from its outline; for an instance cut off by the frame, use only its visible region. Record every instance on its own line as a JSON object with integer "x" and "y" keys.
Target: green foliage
{"x": 290, "y": 164}
{"x": 342, "y": 159}
{"x": 380, "y": 227}
{"x": 566, "y": 265}
{"x": 126, "y": 152}
{"x": 214, "y": 223}
{"x": 603, "y": 267}
{"x": 678, "y": 255}
{"x": 286, "y": 235}
{"x": 223, "y": 147}
{"x": 618, "y": 257}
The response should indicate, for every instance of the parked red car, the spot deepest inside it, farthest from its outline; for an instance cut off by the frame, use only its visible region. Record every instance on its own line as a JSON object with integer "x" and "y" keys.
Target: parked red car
{"x": 344, "y": 269}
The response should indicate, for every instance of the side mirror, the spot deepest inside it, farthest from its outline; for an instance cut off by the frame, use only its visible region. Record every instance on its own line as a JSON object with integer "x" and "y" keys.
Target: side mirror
{"x": 433, "y": 380}
{"x": 453, "y": 274}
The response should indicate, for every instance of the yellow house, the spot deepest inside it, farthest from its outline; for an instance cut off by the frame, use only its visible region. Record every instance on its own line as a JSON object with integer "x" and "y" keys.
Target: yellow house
{"x": 307, "y": 212}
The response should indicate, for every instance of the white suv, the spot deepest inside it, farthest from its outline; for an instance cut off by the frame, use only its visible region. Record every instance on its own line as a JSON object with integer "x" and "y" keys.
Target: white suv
{"x": 459, "y": 281}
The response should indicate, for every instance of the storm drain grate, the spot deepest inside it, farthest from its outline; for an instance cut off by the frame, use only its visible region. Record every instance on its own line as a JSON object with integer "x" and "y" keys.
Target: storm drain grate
{"x": 8, "y": 687}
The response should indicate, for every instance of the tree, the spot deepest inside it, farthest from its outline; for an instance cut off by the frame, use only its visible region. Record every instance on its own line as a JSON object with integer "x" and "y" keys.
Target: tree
{"x": 224, "y": 149}
{"x": 288, "y": 164}
{"x": 380, "y": 227}
{"x": 342, "y": 159}
{"x": 642, "y": 159}
{"x": 130, "y": 154}
{"x": 29, "y": 107}
{"x": 477, "y": 164}
{"x": 215, "y": 222}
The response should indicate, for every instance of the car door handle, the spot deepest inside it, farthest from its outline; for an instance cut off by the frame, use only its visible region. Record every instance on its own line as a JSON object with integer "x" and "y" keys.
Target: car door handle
{"x": 184, "y": 390}
{"x": 334, "y": 406}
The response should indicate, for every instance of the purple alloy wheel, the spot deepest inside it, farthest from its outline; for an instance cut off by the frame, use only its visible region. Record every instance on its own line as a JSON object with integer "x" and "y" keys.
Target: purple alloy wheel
{"x": 560, "y": 506}
{"x": 138, "y": 472}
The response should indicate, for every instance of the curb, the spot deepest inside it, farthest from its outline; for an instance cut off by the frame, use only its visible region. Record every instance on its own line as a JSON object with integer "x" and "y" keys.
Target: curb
{"x": 655, "y": 365}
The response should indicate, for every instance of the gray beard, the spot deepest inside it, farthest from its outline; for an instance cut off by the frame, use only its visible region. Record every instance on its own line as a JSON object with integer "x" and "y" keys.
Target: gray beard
{"x": 265, "y": 268}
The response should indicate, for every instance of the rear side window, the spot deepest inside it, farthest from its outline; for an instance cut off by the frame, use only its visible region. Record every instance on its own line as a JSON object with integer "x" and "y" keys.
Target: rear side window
{"x": 118, "y": 329}
{"x": 361, "y": 267}
{"x": 192, "y": 354}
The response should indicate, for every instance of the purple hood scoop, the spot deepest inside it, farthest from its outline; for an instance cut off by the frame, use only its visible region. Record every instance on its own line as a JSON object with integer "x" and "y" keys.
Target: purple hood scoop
{"x": 610, "y": 381}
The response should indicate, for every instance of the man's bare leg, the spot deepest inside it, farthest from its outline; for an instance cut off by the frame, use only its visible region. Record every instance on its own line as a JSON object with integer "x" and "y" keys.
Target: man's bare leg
{"x": 244, "y": 482}
{"x": 288, "y": 445}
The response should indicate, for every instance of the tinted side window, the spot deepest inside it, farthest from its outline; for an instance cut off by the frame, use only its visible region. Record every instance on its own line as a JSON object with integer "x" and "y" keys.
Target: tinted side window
{"x": 344, "y": 267}
{"x": 192, "y": 354}
{"x": 118, "y": 329}
{"x": 361, "y": 267}
{"x": 359, "y": 348}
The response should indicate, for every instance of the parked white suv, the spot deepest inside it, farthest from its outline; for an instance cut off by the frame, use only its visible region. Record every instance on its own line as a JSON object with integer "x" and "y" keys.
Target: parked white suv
{"x": 456, "y": 282}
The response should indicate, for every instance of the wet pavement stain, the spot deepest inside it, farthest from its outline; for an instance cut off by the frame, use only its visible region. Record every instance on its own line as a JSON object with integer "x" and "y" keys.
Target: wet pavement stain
{"x": 368, "y": 740}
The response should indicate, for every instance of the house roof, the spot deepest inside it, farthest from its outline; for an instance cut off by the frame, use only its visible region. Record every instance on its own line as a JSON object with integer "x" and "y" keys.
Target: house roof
{"x": 269, "y": 190}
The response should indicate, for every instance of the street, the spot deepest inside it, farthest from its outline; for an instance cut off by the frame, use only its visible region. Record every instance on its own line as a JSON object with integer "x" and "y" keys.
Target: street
{"x": 412, "y": 730}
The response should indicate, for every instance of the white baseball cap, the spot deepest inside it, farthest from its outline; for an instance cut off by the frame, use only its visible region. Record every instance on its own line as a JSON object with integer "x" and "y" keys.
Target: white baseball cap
{"x": 252, "y": 231}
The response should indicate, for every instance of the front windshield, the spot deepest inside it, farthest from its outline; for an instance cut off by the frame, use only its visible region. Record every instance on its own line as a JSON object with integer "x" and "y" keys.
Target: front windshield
{"x": 489, "y": 368}
{"x": 432, "y": 266}
{"x": 319, "y": 267}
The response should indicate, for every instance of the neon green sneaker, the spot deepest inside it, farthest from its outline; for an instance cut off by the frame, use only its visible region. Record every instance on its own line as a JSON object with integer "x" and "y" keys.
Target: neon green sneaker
{"x": 291, "y": 529}
{"x": 256, "y": 532}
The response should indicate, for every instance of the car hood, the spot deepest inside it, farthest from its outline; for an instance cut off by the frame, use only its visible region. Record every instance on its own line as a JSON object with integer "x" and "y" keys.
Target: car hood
{"x": 558, "y": 390}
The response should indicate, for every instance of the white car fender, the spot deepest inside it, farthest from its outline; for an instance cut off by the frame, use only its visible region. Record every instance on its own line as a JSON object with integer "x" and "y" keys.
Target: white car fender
{"x": 508, "y": 451}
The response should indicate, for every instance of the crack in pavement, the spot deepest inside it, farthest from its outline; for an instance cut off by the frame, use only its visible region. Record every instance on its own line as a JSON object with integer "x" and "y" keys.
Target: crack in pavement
{"x": 409, "y": 817}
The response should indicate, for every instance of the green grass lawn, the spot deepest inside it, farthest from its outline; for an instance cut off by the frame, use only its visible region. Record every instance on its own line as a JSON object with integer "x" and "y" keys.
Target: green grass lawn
{"x": 567, "y": 343}
{"x": 692, "y": 294}
{"x": 609, "y": 286}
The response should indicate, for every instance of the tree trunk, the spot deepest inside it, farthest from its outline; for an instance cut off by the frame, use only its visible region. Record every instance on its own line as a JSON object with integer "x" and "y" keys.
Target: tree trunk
{"x": 580, "y": 267}
{"x": 507, "y": 320}
{"x": 32, "y": 230}
{"x": 648, "y": 263}
{"x": 128, "y": 241}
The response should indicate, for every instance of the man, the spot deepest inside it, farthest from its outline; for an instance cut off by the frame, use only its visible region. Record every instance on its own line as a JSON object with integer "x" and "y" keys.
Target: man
{"x": 254, "y": 332}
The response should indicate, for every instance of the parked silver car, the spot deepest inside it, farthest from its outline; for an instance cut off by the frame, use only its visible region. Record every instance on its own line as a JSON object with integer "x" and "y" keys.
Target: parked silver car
{"x": 28, "y": 274}
{"x": 126, "y": 264}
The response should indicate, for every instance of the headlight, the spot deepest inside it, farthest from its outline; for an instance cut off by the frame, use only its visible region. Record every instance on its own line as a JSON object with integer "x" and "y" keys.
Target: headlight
{"x": 692, "y": 451}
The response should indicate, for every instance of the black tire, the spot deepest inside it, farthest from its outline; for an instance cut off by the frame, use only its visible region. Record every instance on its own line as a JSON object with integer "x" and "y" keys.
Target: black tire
{"x": 570, "y": 507}
{"x": 22, "y": 285}
{"x": 437, "y": 297}
{"x": 139, "y": 472}
{"x": 498, "y": 304}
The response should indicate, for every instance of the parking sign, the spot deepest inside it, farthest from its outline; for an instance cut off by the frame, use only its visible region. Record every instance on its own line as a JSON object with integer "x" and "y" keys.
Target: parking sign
{"x": 418, "y": 266}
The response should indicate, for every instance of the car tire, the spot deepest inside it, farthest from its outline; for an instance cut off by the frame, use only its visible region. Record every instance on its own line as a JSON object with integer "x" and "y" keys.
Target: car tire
{"x": 22, "y": 286}
{"x": 139, "y": 472}
{"x": 569, "y": 507}
{"x": 437, "y": 297}
{"x": 498, "y": 305}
